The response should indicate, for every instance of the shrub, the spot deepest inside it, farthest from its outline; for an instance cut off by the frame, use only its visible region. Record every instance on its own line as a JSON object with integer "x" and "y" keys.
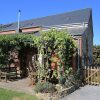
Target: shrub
{"x": 79, "y": 76}
{"x": 62, "y": 80}
{"x": 75, "y": 79}
{"x": 45, "y": 87}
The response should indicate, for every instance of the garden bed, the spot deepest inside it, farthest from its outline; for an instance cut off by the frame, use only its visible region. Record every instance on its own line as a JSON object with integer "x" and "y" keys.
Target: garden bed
{"x": 57, "y": 95}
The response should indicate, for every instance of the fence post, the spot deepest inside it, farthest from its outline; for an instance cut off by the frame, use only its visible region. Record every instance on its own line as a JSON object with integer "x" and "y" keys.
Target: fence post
{"x": 85, "y": 73}
{"x": 88, "y": 74}
{"x": 99, "y": 74}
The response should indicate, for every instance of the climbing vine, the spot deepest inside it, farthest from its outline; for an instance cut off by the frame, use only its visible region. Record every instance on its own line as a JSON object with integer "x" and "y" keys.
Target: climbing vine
{"x": 56, "y": 46}
{"x": 16, "y": 41}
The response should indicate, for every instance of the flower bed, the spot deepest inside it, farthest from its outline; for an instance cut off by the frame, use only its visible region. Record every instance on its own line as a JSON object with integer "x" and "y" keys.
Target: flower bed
{"x": 72, "y": 83}
{"x": 57, "y": 95}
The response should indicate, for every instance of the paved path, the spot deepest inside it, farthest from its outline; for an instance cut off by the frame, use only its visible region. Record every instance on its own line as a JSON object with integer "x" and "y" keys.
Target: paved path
{"x": 85, "y": 93}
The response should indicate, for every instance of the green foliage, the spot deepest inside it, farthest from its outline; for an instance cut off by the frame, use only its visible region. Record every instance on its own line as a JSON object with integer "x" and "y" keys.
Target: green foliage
{"x": 69, "y": 83}
{"x": 62, "y": 80}
{"x": 79, "y": 75}
{"x": 75, "y": 79}
{"x": 14, "y": 41}
{"x": 4, "y": 57}
{"x": 59, "y": 42}
{"x": 50, "y": 41}
{"x": 17, "y": 40}
{"x": 96, "y": 55}
{"x": 44, "y": 87}
{"x": 68, "y": 71}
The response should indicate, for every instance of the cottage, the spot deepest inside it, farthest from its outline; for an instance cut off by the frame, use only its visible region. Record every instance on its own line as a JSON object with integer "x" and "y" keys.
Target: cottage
{"x": 78, "y": 24}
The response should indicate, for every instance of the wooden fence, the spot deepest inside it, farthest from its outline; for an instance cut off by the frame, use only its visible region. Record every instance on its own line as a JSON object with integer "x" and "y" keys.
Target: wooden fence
{"x": 92, "y": 75}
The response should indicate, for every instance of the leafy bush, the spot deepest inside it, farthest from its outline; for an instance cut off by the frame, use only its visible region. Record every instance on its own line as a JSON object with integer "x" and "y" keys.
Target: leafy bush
{"x": 75, "y": 79}
{"x": 70, "y": 81}
{"x": 62, "y": 80}
{"x": 44, "y": 87}
{"x": 79, "y": 75}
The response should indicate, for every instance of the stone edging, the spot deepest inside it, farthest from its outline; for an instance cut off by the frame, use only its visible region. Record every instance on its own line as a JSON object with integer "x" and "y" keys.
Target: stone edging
{"x": 67, "y": 91}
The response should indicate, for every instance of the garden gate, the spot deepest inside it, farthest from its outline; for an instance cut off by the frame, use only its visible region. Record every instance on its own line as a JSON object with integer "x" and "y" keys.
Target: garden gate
{"x": 92, "y": 75}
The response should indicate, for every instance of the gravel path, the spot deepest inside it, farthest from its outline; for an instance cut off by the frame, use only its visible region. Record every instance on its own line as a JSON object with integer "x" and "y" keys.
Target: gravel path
{"x": 85, "y": 93}
{"x": 20, "y": 85}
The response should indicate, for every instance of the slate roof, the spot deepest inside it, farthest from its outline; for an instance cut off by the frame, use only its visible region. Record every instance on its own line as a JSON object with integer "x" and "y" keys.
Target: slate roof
{"x": 72, "y": 31}
{"x": 76, "y": 31}
{"x": 78, "y": 16}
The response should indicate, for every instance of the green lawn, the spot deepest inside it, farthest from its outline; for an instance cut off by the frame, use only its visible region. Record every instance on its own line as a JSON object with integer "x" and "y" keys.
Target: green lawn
{"x": 12, "y": 95}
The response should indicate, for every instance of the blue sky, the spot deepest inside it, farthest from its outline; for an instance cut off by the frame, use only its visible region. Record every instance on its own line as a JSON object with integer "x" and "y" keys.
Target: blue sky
{"x": 38, "y": 8}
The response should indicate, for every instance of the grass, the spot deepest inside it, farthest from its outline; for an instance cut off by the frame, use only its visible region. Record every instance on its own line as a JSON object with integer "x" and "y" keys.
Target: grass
{"x": 12, "y": 95}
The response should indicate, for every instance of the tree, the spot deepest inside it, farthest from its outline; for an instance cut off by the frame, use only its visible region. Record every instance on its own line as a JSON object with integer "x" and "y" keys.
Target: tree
{"x": 96, "y": 55}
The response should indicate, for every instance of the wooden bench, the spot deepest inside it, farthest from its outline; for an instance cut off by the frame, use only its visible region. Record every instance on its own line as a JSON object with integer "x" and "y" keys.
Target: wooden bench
{"x": 3, "y": 73}
{"x": 12, "y": 72}
{"x": 8, "y": 73}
